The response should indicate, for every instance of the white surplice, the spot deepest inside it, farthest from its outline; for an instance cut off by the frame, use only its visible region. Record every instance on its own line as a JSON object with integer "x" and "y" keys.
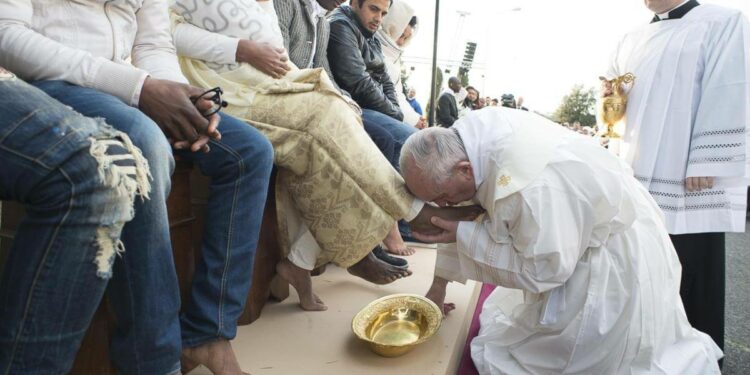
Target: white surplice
{"x": 568, "y": 224}
{"x": 688, "y": 115}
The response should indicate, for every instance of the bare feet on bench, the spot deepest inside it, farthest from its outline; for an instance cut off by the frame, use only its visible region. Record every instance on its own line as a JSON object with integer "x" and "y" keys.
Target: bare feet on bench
{"x": 302, "y": 283}
{"x": 376, "y": 271}
{"x": 218, "y": 356}
{"x": 422, "y": 224}
{"x": 394, "y": 244}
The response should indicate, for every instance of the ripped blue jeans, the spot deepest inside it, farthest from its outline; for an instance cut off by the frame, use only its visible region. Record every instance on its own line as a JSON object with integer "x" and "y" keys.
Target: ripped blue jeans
{"x": 78, "y": 179}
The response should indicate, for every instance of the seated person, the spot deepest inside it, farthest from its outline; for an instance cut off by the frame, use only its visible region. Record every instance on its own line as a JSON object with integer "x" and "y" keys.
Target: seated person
{"x": 78, "y": 179}
{"x": 336, "y": 193}
{"x": 399, "y": 27}
{"x": 568, "y": 225}
{"x": 67, "y": 49}
{"x": 303, "y": 20}
{"x": 358, "y": 64}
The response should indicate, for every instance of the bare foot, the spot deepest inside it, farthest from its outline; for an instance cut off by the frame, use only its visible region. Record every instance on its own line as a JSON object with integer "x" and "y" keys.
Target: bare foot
{"x": 422, "y": 224}
{"x": 394, "y": 243}
{"x": 302, "y": 283}
{"x": 376, "y": 271}
{"x": 218, "y": 356}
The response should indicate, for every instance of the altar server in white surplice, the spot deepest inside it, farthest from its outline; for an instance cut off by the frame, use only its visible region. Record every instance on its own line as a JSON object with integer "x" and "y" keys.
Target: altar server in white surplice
{"x": 568, "y": 224}
{"x": 687, "y": 137}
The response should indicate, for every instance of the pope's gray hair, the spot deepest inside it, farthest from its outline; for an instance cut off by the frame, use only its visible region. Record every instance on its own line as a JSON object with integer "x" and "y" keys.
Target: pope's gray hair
{"x": 435, "y": 151}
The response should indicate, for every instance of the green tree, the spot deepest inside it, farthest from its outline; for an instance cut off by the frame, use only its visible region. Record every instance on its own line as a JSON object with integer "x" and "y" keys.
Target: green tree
{"x": 579, "y": 106}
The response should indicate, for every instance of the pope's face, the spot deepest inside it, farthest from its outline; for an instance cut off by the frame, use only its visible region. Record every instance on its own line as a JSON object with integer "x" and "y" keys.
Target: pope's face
{"x": 661, "y": 6}
{"x": 371, "y": 12}
{"x": 459, "y": 187}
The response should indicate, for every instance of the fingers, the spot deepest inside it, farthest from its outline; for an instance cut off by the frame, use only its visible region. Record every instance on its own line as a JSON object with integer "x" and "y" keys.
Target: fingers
{"x": 441, "y": 223}
{"x": 201, "y": 144}
{"x": 693, "y": 184}
{"x": 181, "y": 145}
{"x": 213, "y": 127}
{"x": 690, "y": 184}
{"x": 431, "y": 238}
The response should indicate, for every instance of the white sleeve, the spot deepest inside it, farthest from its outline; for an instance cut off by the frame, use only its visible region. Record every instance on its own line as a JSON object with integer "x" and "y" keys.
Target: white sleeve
{"x": 612, "y": 70}
{"x": 153, "y": 50}
{"x": 200, "y": 44}
{"x": 533, "y": 243}
{"x": 447, "y": 264}
{"x": 33, "y": 56}
{"x": 720, "y": 144}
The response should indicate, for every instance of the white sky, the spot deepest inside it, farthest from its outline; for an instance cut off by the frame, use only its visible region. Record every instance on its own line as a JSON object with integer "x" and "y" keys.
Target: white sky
{"x": 539, "y": 52}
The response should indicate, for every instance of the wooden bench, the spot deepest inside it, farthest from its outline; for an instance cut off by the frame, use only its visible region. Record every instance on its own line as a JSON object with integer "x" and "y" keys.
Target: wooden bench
{"x": 186, "y": 206}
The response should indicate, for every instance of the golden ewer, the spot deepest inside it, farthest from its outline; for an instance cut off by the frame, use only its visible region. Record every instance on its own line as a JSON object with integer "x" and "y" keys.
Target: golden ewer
{"x": 613, "y": 106}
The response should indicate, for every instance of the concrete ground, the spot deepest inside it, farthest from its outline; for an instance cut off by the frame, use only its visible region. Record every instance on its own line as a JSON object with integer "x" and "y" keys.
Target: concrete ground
{"x": 737, "y": 336}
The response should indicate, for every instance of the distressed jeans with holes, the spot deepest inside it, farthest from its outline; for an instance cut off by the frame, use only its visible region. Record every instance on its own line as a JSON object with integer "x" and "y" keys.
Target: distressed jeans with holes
{"x": 77, "y": 178}
{"x": 143, "y": 290}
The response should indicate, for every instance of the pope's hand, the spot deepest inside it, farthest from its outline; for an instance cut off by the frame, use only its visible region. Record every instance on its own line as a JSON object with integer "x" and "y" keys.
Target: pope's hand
{"x": 698, "y": 183}
{"x": 437, "y": 294}
{"x": 446, "y": 235}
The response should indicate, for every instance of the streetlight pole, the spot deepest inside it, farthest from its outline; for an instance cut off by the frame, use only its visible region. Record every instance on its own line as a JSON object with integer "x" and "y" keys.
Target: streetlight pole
{"x": 433, "y": 94}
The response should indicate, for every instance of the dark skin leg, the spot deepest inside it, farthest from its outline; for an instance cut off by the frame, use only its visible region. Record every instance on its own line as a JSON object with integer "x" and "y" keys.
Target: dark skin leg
{"x": 422, "y": 224}
{"x": 300, "y": 280}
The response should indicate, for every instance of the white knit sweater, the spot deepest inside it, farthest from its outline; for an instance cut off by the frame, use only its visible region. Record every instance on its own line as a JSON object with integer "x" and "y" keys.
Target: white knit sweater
{"x": 108, "y": 45}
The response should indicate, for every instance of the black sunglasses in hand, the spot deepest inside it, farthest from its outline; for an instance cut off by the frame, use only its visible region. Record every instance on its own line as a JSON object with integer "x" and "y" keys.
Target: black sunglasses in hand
{"x": 214, "y": 97}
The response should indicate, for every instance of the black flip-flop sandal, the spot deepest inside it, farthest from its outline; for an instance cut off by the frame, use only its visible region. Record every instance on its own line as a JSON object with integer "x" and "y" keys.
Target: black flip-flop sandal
{"x": 385, "y": 257}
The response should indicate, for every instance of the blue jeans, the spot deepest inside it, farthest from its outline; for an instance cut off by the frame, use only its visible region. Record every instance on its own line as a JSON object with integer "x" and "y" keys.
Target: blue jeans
{"x": 398, "y": 130}
{"x": 383, "y": 140}
{"x": 143, "y": 290}
{"x": 61, "y": 260}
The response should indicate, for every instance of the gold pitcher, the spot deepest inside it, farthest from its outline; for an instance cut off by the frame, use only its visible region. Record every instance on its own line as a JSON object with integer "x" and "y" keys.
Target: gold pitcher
{"x": 613, "y": 106}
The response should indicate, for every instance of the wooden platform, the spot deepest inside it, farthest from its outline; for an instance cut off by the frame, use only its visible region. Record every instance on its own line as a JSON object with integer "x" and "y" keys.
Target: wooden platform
{"x": 286, "y": 340}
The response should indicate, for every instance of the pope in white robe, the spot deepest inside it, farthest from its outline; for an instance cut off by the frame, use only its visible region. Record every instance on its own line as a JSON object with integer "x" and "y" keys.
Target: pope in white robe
{"x": 568, "y": 225}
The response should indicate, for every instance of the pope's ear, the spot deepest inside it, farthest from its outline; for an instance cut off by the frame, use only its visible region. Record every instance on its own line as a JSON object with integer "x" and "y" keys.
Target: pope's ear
{"x": 464, "y": 168}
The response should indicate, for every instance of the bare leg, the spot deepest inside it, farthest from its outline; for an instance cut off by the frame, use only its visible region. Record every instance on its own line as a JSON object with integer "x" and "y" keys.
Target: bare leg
{"x": 302, "y": 283}
{"x": 218, "y": 356}
{"x": 394, "y": 243}
{"x": 376, "y": 271}
{"x": 422, "y": 224}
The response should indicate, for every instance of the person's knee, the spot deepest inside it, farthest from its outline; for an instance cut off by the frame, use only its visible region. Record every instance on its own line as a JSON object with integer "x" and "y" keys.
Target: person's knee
{"x": 250, "y": 154}
{"x": 259, "y": 157}
{"x": 121, "y": 175}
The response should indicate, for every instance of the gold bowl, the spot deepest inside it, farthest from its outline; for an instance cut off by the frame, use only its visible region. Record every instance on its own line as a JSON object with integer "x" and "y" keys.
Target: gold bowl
{"x": 396, "y": 324}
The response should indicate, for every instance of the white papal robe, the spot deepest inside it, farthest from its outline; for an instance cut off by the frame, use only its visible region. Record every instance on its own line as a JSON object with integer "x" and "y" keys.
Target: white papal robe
{"x": 568, "y": 224}
{"x": 688, "y": 115}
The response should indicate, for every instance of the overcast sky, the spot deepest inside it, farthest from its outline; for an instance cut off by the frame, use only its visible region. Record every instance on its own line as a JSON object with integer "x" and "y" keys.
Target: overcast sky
{"x": 538, "y": 52}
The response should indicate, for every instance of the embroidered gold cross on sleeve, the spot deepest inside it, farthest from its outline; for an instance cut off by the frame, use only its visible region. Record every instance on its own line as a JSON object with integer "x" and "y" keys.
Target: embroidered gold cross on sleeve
{"x": 503, "y": 180}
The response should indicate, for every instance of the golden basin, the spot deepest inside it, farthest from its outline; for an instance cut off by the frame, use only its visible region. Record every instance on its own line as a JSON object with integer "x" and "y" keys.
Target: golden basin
{"x": 396, "y": 324}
